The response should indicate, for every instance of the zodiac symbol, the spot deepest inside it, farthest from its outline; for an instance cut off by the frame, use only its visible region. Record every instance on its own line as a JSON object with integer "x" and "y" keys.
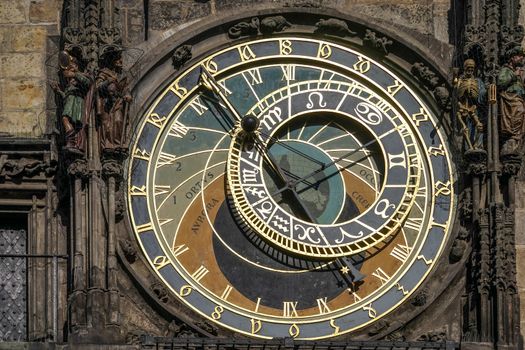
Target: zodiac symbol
{"x": 277, "y": 222}
{"x": 311, "y": 104}
{"x": 265, "y": 209}
{"x": 368, "y": 113}
{"x": 253, "y": 191}
{"x": 306, "y": 233}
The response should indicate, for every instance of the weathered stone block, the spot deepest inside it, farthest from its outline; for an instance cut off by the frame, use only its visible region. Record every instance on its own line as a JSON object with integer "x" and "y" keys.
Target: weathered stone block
{"x": 5, "y": 38}
{"x": 44, "y": 11}
{"x": 21, "y": 124}
{"x": 22, "y": 65}
{"x": 28, "y": 39}
{"x": 519, "y": 226}
{"x": 13, "y": 11}
{"x": 520, "y": 271}
{"x": 228, "y": 4}
{"x": 167, "y": 14}
{"x": 415, "y": 16}
{"x": 22, "y": 94}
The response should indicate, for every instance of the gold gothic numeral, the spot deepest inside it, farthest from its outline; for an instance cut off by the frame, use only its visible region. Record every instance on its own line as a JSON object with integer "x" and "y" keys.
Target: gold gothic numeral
{"x": 357, "y": 298}
{"x": 427, "y": 261}
{"x": 156, "y": 120}
{"x": 178, "y": 130}
{"x": 322, "y": 304}
{"x": 420, "y": 117}
{"x": 138, "y": 191}
{"x": 401, "y": 252}
{"x": 362, "y": 65}
{"x": 198, "y": 106}
{"x": 257, "y": 305}
{"x": 335, "y": 327}
{"x": 256, "y": 325}
{"x": 443, "y": 188}
{"x": 179, "y": 249}
{"x": 165, "y": 159}
{"x": 246, "y": 53}
{"x": 289, "y": 309}
{"x": 394, "y": 89}
{"x": 382, "y": 275}
{"x": 144, "y": 227}
{"x": 372, "y": 313}
{"x": 179, "y": 91}
{"x": 285, "y": 47}
{"x": 324, "y": 51}
{"x": 402, "y": 289}
{"x": 254, "y": 76}
{"x": 227, "y": 91}
{"x": 217, "y": 313}
{"x": 161, "y": 189}
{"x": 288, "y": 72}
{"x": 185, "y": 290}
{"x": 226, "y": 292}
{"x": 141, "y": 154}
{"x": 161, "y": 261}
{"x": 211, "y": 66}
{"x": 435, "y": 151}
{"x": 294, "y": 331}
{"x": 199, "y": 273}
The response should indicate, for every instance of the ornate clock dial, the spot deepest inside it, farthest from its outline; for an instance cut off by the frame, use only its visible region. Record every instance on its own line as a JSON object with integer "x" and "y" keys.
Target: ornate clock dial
{"x": 263, "y": 234}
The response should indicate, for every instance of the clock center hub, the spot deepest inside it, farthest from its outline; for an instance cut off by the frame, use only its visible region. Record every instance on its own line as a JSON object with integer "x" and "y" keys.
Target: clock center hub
{"x": 249, "y": 123}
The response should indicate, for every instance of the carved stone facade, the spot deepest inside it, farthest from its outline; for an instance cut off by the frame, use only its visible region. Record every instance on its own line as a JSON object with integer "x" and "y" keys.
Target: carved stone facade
{"x": 86, "y": 280}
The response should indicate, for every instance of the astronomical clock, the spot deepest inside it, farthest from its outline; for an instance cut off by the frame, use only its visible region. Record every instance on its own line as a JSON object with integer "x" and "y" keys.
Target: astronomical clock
{"x": 290, "y": 185}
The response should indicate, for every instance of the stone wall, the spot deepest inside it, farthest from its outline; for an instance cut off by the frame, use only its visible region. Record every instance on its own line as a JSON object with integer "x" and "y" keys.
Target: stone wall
{"x": 24, "y": 29}
{"x": 429, "y": 18}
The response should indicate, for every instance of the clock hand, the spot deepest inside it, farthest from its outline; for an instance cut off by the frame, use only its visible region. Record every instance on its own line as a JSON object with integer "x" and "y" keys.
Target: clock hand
{"x": 316, "y": 183}
{"x": 283, "y": 178}
{"x": 209, "y": 82}
{"x": 326, "y": 165}
{"x": 290, "y": 148}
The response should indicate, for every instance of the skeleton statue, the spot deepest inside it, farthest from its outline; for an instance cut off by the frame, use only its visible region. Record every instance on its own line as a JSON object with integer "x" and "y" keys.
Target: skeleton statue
{"x": 511, "y": 100}
{"x": 74, "y": 96}
{"x": 471, "y": 93}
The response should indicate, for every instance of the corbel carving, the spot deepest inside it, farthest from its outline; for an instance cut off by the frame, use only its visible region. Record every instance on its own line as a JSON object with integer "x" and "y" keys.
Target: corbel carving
{"x": 267, "y": 25}
{"x": 273, "y": 24}
{"x": 420, "y": 298}
{"x": 207, "y": 327}
{"x": 78, "y": 168}
{"x": 378, "y": 327}
{"x": 25, "y": 167}
{"x": 304, "y": 3}
{"x": 373, "y": 41}
{"x": 180, "y": 331}
{"x": 333, "y": 26}
{"x": 435, "y": 336}
{"x": 130, "y": 253}
{"x": 160, "y": 291}
{"x": 244, "y": 28}
{"x": 431, "y": 82}
{"x": 181, "y": 55}
{"x": 459, "y": 246}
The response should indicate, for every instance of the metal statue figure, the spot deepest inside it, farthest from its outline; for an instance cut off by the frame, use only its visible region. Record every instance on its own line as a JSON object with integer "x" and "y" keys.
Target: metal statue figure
{"x": 471, "y": 94}
{"x": 511, "y": 100}
{"x": 112, "y": 102}
{"x": 74, "y": 94}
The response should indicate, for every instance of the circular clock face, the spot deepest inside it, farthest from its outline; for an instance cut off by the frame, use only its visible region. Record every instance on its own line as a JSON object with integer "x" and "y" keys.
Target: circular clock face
{"x": 290, "y": 187}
